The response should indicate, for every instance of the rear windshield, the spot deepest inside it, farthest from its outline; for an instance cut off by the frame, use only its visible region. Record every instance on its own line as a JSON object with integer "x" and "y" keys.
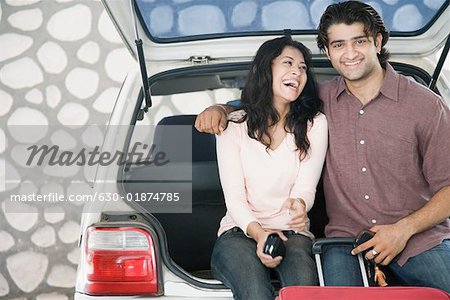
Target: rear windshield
{"x": 176, "y": 20}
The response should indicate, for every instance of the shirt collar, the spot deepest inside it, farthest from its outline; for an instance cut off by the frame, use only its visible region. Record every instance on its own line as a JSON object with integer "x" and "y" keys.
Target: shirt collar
{"x": 389, "y": 88}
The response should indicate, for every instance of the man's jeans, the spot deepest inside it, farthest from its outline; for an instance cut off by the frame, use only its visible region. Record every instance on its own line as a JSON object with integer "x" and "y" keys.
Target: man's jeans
{"x": 235, "y": 263}
{"x": 430, "y": 268}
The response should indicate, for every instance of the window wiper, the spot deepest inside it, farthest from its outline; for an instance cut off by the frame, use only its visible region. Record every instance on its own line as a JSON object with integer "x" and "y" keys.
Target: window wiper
{"x": 141, "y": 60}
{"x": 439, "y": 65}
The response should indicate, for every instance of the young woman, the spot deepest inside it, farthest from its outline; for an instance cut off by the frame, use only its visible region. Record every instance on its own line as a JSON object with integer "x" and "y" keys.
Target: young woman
{"x": 270, "y": 159}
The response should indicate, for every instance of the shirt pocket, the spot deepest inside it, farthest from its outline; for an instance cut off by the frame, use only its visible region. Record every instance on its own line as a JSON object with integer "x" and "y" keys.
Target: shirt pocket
{"x": 395, "y": 167}
{"x": 394, "y": 152}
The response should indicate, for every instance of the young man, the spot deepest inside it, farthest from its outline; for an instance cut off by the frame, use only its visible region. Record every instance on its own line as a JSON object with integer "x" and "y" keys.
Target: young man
{"x": 387, "y": 167}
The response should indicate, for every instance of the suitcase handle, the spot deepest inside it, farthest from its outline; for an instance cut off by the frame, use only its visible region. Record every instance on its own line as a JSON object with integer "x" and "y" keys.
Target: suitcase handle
{"x": 317, "y": 251}
{"x": 319, "y": 243}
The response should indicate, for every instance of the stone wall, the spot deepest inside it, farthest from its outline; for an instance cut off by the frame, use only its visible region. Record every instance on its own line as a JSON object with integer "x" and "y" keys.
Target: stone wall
{"x": 61, "y": 62}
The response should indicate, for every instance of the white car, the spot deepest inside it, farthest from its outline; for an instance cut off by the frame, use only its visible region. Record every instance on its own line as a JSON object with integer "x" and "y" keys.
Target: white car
{"x": 151, "y": 231}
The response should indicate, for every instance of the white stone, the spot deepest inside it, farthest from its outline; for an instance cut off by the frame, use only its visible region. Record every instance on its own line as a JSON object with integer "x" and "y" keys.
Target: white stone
{"x": 21, "y": 2}
{"x": 201, "y": 19}
{"x": 52, "y": 57}
{"x": 161, "y": 19}
{"x": 73, "y": 114}
{"x": 68, "y": 233}
{"x": 434, "y": 4}
{"x": 89, "y": 52}
{"x": 22, "y": 156}
{"x": 19, "y": 215}
{"x": 118, "y": 63}
{"x": 27, "y": 269}
{"x": 407, "y": 18}
{"x": 53, "y": 96}
{"x": 92, "y": 136}
{"x": 44, "y": 237}
{"x": 52, "y": 296}
{"x": 105, "y": 102}
{"x": 317, "y": 8}
{"x": 22, "y": 73}
{"x": 34, "y": 96}
{"x": 54, "y": 214}
{"x": 244, "y": 13}
{"x": 26, "y": 20}
{"x": 6, "y": 244}
{"x": 6, "y": 101}
{"x": 64, "y": 171}
{"x": 285, "y": 15}
{"x": 27, "y": 187}
{"x": 107, "y": 29}
{"x": 63, "y": 140}
{"x": 70, "y": 24}
{"x": 53, "y": 187}
{"x": 4, "y": 287}
{"x": 74, "y": 256}
{"x": 27, "y": 125}
{"x": 82, "y": 82}
{"x": 21, "y": 44}
{"x": 10, "y": 181}
{"x": 62, "y": 276}
{"x": 3, "y": 141}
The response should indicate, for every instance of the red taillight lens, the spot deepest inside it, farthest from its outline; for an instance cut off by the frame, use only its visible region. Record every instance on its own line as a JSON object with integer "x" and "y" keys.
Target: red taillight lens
{"x": 120, "y": 261}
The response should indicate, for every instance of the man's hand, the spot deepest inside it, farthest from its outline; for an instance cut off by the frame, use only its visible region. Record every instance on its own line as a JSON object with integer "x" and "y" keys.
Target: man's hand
{"x": 212, "y": 120}
{"x": 296, "y": 208}
{"x": 388, "y": 242}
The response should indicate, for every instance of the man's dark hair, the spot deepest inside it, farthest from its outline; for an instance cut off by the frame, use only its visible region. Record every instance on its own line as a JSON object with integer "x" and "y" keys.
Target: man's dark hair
{"x": 350, "y": 12}
{"x": 257, "y": 96}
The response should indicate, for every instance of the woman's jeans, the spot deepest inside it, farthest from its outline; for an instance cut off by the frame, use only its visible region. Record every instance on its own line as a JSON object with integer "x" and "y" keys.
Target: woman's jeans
{"x": 235, "y": 263}
{"x": 430, "y": 268}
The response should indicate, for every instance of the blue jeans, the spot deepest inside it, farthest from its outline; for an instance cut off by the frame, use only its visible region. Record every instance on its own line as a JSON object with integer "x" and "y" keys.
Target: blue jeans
{"x": 235, "y": 263}
{"x": 430, "y": 268}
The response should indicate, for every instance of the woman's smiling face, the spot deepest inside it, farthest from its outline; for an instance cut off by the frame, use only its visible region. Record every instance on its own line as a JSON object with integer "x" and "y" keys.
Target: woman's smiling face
{"x": 288, "y": 75}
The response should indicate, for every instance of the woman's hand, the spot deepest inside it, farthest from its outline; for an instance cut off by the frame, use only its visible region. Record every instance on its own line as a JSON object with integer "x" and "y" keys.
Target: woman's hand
{"x": 260, "y": 235}
{"x": 296, "y": 208}
{"x": 266, "y": 259}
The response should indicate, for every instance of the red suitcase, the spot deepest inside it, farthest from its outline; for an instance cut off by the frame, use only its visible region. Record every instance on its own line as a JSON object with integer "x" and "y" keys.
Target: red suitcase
{"x": 364, "y": 293}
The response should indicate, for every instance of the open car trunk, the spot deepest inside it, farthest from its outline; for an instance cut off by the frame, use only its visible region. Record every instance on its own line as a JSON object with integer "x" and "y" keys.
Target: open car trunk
{"x": 187, "y": 239}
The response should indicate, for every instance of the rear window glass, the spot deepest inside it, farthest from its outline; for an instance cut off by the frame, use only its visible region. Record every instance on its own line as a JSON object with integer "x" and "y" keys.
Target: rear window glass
{"x": 167, "y": 21}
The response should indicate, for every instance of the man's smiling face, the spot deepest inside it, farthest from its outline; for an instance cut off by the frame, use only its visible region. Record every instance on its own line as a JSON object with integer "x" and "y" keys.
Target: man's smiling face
{"x": 352, "y": 53}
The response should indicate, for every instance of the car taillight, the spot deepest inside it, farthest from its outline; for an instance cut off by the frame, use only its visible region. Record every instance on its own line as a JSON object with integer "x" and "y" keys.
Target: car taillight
{"x": 120, "y": 261}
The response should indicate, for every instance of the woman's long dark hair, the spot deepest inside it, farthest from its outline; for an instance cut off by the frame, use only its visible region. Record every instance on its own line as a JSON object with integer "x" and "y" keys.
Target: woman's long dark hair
{"x": 257, "y": 96}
